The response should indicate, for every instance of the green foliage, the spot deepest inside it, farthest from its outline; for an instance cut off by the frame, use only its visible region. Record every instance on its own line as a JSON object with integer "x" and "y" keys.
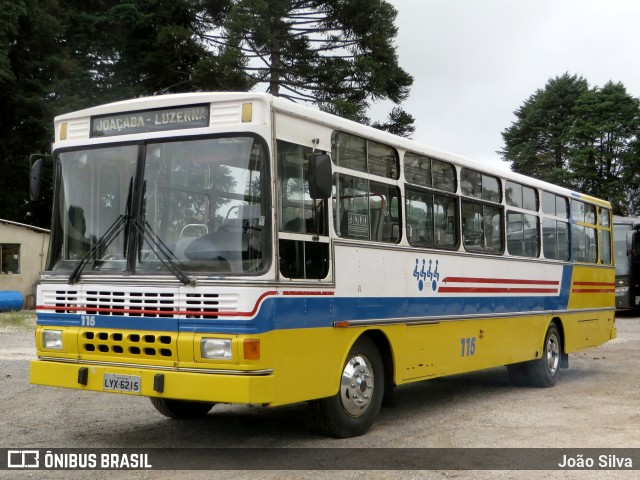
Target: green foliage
{"x": 60, "y": 56}
{"x": 537, "y": 143}
{"x": 581, "y": 138}
{"x": 607, "y": 122}
{"x": 399, "y": 123}
{"x": 338, "y": 54}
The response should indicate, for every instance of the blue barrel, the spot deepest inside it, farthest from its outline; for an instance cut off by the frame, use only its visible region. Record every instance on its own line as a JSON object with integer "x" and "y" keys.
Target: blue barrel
{"x": 10, "y": 300}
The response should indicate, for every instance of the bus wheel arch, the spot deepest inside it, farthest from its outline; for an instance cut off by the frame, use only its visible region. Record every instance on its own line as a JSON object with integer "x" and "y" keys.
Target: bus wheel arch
{"x": 564, "y": 357}
{"x": 353, "y": 409}
{"x": 544, "y": 370}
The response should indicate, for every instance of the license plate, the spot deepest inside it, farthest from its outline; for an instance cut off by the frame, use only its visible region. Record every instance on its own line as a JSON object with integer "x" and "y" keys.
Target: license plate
{"x": 121, "y": 383}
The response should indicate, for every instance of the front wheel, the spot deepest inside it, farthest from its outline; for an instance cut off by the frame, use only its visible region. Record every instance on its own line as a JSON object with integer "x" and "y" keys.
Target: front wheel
{"x": 352, "y": 411}
{"x": 180, "y": 409}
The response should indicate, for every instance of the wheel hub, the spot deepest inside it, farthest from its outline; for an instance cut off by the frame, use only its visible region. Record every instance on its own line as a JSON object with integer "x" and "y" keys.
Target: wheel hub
{"x": 553, "y": 354}
{"x": 356, "y": 385}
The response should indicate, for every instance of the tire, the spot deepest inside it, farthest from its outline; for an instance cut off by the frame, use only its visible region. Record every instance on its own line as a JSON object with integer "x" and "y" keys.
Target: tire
{"x": 181, "y": 409}
{"x": 542, "y": 372}
{"x": 518, "y": 374}
{"x": 352, "y": 411}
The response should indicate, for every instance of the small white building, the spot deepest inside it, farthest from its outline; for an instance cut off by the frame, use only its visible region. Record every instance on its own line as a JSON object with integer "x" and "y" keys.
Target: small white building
{"x": 23, "y": 253}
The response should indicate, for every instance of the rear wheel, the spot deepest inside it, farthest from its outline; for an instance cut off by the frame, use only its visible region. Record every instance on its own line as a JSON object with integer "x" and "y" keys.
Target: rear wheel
{"x": 352, "y": 411}
{"x": 544, "y": 371}
{"x": 181, "y": 409}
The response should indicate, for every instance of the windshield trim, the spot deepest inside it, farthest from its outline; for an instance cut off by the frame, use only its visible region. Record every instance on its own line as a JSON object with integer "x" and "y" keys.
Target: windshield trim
{"x": 58, "y": 265}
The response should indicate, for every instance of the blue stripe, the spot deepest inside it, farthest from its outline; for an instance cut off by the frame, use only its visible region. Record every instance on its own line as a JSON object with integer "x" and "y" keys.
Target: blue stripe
{"x": 290, "y": 312}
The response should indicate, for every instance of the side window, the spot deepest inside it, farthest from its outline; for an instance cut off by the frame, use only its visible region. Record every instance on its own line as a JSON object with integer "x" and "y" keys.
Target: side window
{"x": 481, "y": 214}
{"x": 366, "y": 210}
{"x": 431, "y": 219}
{"x": 604, "y": 227}
{"x": 301, "y": 256}
{"x": 522, "y": 234}
{"x": 523, "y": 226}
{"x": 479, "y": 185}
{"x": 555, "y": 205}
{"x": 584, "y": 245}
{"x": 521, "y": 196}
{"x": 481, "y": 227}
{"x": 429, "y": 172}
{"x": 605, "y": 247}
{"x": 555, "y": 226}
{"x": 583, "y": 212}
{"x": 364, "y": 155}
{"x": 555, "y": 239}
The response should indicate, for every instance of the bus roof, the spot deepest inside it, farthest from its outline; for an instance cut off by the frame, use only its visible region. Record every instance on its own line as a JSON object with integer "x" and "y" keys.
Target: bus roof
{"x": 288, "y": 107}
{"x": 634, "y": 222}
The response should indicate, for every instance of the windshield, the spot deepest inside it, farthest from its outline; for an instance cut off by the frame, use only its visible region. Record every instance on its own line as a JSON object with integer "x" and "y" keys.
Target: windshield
{"x": 199, "y": 207}
{"x": 620, "y": 247}
{"x": 91, "y": 193}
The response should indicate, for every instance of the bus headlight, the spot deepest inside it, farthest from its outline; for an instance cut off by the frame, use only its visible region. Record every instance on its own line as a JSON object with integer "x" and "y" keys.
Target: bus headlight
{"x": 52, "y": 339}
{"x": 622, "y": 289}
{"x": 216, "y": 348}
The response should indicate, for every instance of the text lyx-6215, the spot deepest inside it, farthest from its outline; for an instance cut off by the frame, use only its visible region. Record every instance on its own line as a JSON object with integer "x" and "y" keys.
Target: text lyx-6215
{"x": 121, "y": 383}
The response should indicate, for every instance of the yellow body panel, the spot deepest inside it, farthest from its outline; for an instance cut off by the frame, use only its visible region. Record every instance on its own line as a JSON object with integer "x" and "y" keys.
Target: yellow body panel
{"x": 306, "y": 364}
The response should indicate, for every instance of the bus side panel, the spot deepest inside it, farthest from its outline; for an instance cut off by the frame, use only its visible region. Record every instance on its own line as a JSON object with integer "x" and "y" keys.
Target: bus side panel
{"x": 592, "y": 290}
{"x": 461, "y": 346}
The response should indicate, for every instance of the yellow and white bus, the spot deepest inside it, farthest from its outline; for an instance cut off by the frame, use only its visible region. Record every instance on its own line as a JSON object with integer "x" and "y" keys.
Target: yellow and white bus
{"x": 239, "y": 248}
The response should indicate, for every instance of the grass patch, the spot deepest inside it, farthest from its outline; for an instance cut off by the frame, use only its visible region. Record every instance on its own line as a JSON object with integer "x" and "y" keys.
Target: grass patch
{"x": 22, "y": 319}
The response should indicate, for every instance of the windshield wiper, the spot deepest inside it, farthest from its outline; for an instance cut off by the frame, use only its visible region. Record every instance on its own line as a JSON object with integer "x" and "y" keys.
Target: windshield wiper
{"x": 109, "y": 236}
{"x": 153, "y": 240}
{"x": 112, "y": 232}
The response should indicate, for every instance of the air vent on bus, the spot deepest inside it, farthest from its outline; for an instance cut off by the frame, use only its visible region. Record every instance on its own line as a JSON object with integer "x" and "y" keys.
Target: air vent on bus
{"x": 133, "y": 304}
{"x": 128, "y": 344}
{"x": 66, "y": 299}
{"x": 202, "y": 305}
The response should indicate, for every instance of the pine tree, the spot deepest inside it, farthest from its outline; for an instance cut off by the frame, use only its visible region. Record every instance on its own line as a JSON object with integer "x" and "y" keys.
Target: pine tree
{"x": 538, "y": 142}
{"x": 604, "y": 134}
{"x": 586, "y": 139}
{"x": 338, "y": 54}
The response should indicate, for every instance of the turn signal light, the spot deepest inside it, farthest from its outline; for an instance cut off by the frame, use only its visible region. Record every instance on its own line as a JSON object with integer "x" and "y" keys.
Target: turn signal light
{"x": 251, "y": 349}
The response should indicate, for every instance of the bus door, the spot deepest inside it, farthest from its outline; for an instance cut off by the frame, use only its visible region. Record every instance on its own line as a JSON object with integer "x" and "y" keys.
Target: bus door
{"x": 303, "y": 245}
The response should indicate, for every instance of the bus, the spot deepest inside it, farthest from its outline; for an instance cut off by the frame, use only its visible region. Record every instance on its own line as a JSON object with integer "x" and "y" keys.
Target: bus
{"x": 627, "y": 248}
{"x": 241, "y": 248}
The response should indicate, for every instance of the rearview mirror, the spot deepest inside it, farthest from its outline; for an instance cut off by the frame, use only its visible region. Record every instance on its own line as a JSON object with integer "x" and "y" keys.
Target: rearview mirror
{"x": 35, "y": 177}
{"x": 319, "y": 176}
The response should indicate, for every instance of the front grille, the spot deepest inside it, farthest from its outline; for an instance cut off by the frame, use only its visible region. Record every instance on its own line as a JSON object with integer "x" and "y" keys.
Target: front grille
{"x": 128, "y": 344}
{"x": 202, "y": 305}
{"x": 144, "y": 303}
{"x": 67, "y": 299}
{"x": 132, "y": 304}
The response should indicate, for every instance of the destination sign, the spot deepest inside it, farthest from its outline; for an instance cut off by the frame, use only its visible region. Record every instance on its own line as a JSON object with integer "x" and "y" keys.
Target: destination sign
{"x": 158, "y": 120}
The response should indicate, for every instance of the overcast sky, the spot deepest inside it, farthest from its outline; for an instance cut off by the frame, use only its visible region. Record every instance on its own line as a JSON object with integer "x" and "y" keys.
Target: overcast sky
{"x": 474, "y": 62}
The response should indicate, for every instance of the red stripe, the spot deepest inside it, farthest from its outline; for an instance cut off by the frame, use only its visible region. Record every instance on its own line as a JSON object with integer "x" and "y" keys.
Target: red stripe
{"x": 593, "y": 290}
{"x": 601, "y": 284}
{"x": 499, "y": 280}
{"x": 495, "y": 290}
{"x": 306, "y": 293}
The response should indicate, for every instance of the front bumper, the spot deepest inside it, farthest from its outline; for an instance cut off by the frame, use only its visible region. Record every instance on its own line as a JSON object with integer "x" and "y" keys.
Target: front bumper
{"x": 236, "y": 387}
